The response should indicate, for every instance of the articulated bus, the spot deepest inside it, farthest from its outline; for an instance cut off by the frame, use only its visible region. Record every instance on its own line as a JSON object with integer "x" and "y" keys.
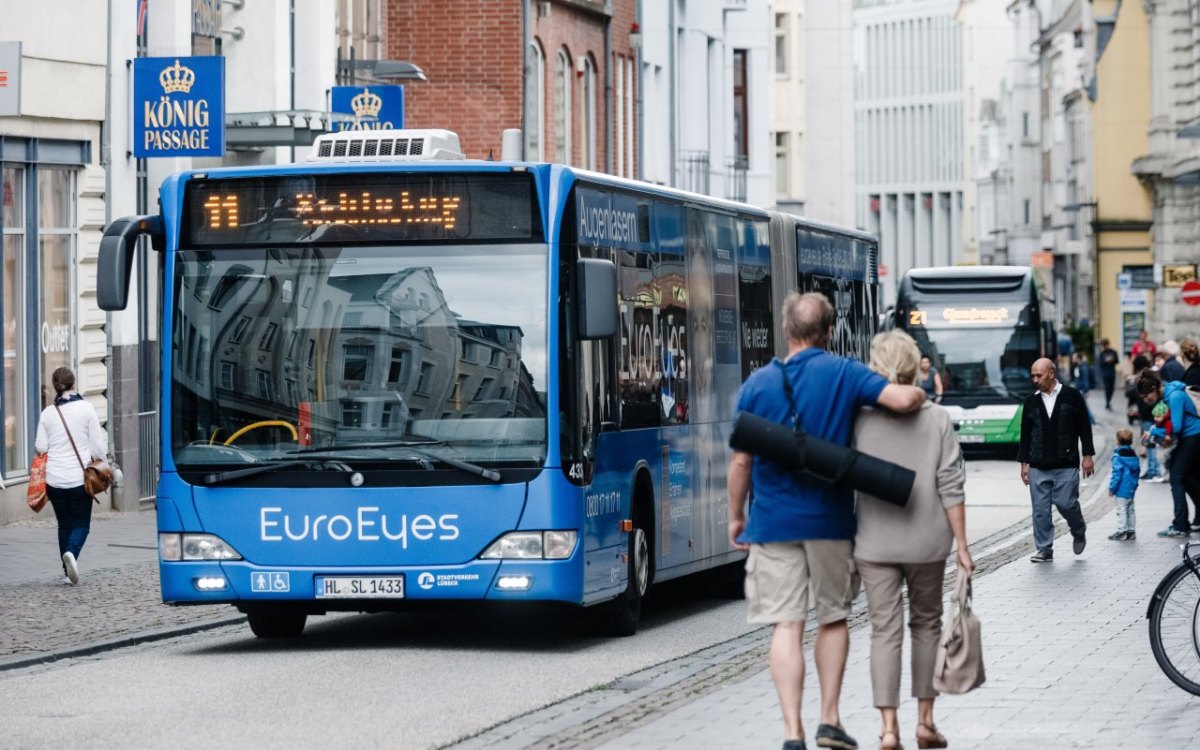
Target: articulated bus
{"x": 982, "y": 328}
{"x": 388, "y": 379}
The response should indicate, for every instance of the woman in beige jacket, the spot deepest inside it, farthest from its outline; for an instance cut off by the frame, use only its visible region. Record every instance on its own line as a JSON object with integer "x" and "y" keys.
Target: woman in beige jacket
{"x": 907, "y": 547}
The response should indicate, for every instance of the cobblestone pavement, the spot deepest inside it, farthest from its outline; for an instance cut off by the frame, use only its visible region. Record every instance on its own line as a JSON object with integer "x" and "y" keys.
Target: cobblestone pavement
{"x": 1066, "y": 648}
{"x": 117, "y": 599}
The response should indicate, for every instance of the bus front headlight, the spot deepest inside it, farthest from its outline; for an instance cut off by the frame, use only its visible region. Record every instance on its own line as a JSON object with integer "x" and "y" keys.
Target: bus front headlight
{"x": 190, "y": 547}
{"x": 532, "y": 545}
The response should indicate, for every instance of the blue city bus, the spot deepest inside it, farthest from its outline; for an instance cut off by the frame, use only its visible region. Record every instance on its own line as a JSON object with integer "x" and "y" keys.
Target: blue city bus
{"x": 392, "y": 376}
{"x": 982, "y": 328}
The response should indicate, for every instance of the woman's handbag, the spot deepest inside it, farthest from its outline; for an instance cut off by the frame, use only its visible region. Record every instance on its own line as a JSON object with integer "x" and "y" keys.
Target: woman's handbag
{"x": 959, "y": 666}
{"x": 97, "y": 476}
{"x": 35, "y": 493}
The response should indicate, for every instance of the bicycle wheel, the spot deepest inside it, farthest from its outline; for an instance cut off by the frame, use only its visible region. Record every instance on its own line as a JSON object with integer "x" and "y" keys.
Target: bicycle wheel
{"x": 1175, "y": 627}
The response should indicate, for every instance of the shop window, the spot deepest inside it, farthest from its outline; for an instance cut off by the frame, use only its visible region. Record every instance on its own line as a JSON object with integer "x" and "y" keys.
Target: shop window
{"x": 56, "y": 257}
{"x": 12, "y": 224}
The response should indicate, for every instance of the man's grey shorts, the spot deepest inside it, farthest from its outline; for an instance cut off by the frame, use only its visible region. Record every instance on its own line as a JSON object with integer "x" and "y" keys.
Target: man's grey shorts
{"x": 780, "y": 575}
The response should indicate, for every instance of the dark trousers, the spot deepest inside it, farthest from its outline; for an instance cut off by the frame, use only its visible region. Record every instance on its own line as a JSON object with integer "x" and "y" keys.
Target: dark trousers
{"x": 73, "y": 509}
{"x": 1185, "y": 465}
{"x": 1110, "y": 385}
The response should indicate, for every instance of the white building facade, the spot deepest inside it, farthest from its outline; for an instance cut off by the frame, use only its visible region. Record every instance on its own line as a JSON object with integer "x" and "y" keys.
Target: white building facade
{"x": 987, "y": 47}
{"x": 706, "y": 86}
{"x": 812, "y": 117}
{"x": 1172, "y": 168}
{"x": 52, "y": 188}
{"x": 909, "y": 133}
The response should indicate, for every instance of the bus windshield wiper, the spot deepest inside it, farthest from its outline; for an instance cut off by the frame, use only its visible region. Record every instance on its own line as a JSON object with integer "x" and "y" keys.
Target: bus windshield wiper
{"x": 334, "y": 447}
{"x": 227, "y": 476}
{"x": 489, "y": 474}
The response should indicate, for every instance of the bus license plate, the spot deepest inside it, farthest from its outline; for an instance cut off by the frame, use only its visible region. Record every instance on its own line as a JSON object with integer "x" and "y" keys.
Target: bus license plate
{"x": 360, "y": 587}
{"x": 970, "y": 438}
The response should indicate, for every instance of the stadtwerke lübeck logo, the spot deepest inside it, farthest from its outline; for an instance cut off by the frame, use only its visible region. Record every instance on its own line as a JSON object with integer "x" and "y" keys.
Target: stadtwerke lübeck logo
{"x": 179, "y": 106}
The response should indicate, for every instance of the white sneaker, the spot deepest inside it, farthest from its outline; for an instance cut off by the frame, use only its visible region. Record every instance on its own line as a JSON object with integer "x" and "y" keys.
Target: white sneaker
{"x": 71, "y": 566}
{"x": 66, "y": 581}
{"x": 1158, "y": 479}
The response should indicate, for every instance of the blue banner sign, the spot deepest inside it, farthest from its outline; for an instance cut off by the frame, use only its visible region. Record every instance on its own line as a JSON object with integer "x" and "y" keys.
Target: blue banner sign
{"x": 178, "y": 106}
{"x": 373, "y": 107}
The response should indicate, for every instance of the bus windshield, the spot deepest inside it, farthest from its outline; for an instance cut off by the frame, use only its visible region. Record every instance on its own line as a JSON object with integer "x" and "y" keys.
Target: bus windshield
{"x": 981, "y": 364}
{"x": 354, "y": 352}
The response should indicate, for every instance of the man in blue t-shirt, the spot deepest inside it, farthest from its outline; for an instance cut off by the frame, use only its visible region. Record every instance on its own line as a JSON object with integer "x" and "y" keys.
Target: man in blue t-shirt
{"x": 800, "y": 534}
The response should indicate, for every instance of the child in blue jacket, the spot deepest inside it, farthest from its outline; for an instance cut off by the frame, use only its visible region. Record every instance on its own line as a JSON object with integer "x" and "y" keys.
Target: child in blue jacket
{"x": 1123, "y": 485}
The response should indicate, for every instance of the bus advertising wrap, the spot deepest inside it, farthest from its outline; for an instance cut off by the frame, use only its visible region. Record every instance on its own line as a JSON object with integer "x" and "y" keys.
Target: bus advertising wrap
{"x": 178, "y": 106}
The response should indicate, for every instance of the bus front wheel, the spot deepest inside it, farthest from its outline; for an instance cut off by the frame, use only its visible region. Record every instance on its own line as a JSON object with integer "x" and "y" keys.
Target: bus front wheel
{"x": 621, "y": 616}
{"x": 276, "y": 622}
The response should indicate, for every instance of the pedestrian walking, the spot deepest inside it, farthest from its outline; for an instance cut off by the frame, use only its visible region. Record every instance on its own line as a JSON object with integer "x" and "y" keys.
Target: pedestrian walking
{"x": 1108, "y": 361}
{"x": 1054, "y": 426}
{"x": 930, "y": 380}
{"x": 1185, "y": 458}
{"x": 800, "y": 533}
{"x": 1082, "y": 373}
{"x": 1171, "y": 368}
{"x": 1189, "y": 350}
{"x": 1123, "y": 485}
{"x": 905, "y": 549}
{"x": 69, "y": 431}
{"x": 1143, "y": 346}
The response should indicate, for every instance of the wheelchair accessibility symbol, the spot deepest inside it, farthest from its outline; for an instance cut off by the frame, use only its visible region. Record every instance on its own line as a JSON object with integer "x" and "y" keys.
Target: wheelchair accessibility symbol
{"x": 272, "y": 582}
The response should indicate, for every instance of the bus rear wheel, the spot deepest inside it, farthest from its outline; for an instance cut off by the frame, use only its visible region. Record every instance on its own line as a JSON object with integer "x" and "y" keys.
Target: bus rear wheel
{"x": 276, "y": 622}
{"x": 621, "y": 616}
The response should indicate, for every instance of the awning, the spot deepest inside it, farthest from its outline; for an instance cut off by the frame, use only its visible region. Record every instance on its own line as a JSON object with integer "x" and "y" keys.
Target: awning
{"x": 298, "y": 127}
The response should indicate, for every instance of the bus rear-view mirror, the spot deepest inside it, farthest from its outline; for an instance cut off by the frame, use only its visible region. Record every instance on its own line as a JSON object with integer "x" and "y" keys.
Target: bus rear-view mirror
{"x": 597, "y": 298}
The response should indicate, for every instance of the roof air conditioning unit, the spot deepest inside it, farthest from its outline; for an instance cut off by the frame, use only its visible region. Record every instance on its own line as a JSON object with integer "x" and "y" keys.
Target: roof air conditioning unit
{"x": 386, "y": 145}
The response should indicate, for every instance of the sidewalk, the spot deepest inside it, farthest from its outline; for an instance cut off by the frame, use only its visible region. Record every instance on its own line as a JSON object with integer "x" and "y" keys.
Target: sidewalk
{"x": 1065, "y": 644}
{"x": 1066, "y": 648}
{"x": 117, "y": 598}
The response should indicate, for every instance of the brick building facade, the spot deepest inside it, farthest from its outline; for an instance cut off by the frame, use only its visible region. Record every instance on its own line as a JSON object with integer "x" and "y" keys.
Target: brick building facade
{"x": 563, "y": 71}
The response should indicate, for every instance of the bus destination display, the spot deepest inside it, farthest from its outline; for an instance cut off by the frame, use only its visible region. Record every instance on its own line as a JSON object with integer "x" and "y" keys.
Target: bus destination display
{"x": 367, "y": 208}
{"x": 944, "y": 316}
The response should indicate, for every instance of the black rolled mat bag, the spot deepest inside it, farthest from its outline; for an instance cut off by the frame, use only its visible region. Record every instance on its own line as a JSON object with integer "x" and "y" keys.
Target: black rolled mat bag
{"x": 822, "y": 460}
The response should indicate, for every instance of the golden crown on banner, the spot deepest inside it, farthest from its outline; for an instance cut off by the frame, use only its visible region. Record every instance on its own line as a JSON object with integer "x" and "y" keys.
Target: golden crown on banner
{"x": 177, "y": 78}
{"x": 366, "y": 104}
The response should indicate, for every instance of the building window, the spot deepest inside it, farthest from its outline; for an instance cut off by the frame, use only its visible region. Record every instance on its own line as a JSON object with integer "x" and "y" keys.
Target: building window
{"x": 562, "y": 108}
{"x": 629, "y": 171}
{"x": 56, "y": 250}
{"x": 352, "y": 413}
{"x": 781, "y": 45}
{"x": 619, "y": 115}
{"x": 589, "y": 114}
{"x": 263, "y": 379}
{"x": 741, "y": 105}
{"x": 425, "y": 381}
{"x": 396, "y": 369}
{"x": 228, "y": 375}
{"x": 13, "y": 407}
{"x": 782, "y": 166}
{"x": 1027, "y": 210}
{"x": 356, "y": 361}
{"x": 535, "y": 117}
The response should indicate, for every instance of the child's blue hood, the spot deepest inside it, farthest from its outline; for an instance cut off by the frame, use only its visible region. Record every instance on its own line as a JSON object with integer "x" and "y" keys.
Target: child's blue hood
{"x": 1127, "y": 457}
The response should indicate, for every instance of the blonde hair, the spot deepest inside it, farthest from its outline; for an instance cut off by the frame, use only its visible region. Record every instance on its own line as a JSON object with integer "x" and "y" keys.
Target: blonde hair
{"x": 1190, "y": 350}
{"x": 1124, "y": 436}
{"x": 895, "y": 356}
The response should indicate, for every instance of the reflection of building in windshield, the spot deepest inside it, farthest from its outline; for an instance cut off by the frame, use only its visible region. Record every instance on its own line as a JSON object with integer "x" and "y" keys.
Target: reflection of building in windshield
{"x": 981, "y": 363}
{"x": 342, "y": 355}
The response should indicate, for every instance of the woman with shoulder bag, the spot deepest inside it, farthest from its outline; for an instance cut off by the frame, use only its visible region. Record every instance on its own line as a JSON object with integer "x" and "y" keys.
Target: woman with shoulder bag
{"x": 69, "y": 432}
{"x": 899, "y": 548}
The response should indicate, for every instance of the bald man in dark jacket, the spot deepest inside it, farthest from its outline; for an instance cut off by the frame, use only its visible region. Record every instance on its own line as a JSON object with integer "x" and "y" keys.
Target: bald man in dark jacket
{"x": 1054, "y": 428}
